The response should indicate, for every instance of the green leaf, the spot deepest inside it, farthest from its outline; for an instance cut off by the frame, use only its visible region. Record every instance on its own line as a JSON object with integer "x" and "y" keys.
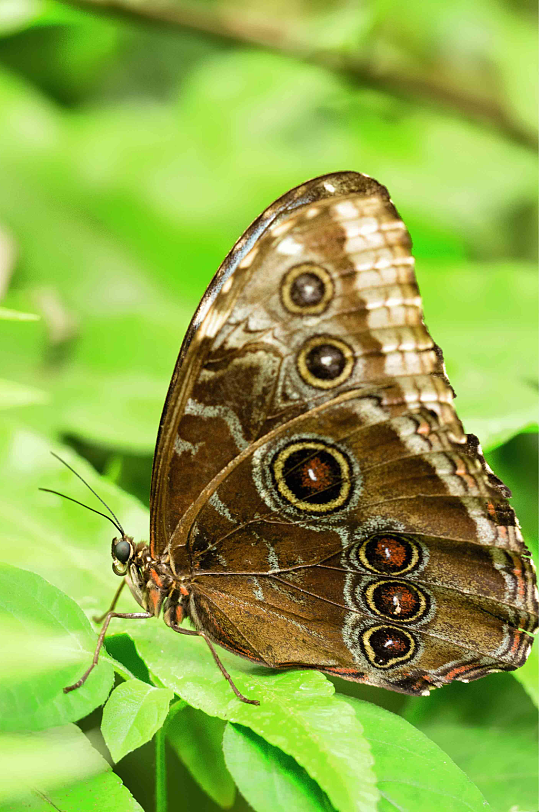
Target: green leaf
{"x": 268, "y": 778}
{"x": 58, "y": 769}
{"x": 448, "y": 35}
{"x": 516, "y": 463}
{"x": 197, "y": 740}
{"x": 413, "y": 774}
{"x": 47, "y": 760}
{"x": 13, "y": 394}
{"x": 133, "y": 714}
{"x": 16, "y": 16}
{"x": 298, "y": 712}
{"x": 47, "y": 644}
{"x": 489, "y": 728}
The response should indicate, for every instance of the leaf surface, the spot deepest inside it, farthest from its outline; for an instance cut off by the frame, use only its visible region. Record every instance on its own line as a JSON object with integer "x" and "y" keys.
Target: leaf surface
{"x": 133, "y": 714}
{"x": 47, "y": 643}
{"x": 413, "y": 774}
{"x": 489, "y": 728}
{"x": 298, "y": 712}
{"x": 58, "y": 769}
{"x": 267, "y": 777}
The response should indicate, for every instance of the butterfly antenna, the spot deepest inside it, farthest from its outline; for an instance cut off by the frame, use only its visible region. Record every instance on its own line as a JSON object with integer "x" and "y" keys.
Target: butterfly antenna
{"x": 118, "y": 528}
{"x": 116, "y": 521}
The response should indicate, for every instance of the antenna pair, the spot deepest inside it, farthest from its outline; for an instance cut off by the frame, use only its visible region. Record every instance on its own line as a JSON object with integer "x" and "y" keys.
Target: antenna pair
{"x": 114, "y": 520}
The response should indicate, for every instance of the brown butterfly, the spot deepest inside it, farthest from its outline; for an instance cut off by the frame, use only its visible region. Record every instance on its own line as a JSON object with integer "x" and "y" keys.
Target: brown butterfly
{"x": 315, "y": 502}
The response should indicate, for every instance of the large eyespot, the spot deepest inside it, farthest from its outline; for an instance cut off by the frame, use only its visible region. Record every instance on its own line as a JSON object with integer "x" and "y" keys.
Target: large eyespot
{"x": 397, "y": 600}
{"x": 312, "y": 476}
{"x": 307, "y": 289}
{"x": 390, "y": 554}
{"x": 387, "y": 646}
{"x": 325, "y": 362}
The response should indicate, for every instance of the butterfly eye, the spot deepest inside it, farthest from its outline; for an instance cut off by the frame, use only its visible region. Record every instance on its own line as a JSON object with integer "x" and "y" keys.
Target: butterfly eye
{"x": 122, "y": 551}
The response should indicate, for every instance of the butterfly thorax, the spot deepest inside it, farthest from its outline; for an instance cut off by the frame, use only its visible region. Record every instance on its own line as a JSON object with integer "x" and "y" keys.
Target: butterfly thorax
{"x": 155, "y": 587}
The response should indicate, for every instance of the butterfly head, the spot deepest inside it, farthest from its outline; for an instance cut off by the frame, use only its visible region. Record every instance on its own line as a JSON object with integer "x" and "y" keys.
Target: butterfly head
{"x": 123, "y": 551}
{"x": 133, "y": 562}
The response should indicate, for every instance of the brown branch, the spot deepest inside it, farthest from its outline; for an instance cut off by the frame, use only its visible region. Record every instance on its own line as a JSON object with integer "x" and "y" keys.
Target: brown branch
{"x": 272, "y": 35}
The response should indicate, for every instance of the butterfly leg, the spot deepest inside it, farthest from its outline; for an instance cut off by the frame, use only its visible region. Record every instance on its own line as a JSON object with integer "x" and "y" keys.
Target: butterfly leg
{"x": 117, "y": 594}
{"x": 218, "y": 662}
{"x": 100, "y": 639}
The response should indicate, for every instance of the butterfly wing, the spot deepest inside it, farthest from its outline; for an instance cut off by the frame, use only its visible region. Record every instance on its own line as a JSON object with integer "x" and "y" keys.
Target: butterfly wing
{"x": 223, "y": 386}
{"x": 237, "y": 375}
{"x": 406, "y": 570}
{"x": 309, "y": 414}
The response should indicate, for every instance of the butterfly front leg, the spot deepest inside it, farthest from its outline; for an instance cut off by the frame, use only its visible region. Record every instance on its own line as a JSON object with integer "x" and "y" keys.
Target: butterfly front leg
{"x": 108, "y": 617}
{"x": 117, "y": 594}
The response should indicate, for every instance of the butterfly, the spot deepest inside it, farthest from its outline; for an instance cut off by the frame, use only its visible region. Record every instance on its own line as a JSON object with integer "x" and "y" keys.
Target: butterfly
{"x": 315, "y": 502}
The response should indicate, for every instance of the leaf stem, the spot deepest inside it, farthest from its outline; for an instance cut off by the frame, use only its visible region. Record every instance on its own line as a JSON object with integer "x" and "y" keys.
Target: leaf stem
{"x": 160, "y": 772}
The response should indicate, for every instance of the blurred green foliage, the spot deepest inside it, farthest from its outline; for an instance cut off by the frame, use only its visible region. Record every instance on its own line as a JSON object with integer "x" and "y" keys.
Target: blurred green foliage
{"x": 136, "y": 144}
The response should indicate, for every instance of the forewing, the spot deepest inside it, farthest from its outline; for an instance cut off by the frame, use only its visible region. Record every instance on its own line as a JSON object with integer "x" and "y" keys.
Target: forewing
{"x": 318, "y": 297}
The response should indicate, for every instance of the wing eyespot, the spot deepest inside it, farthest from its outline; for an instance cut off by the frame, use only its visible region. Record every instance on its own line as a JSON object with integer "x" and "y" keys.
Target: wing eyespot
{"x": 312, "y": 476}
{"x": 388, "y": 554}
{"x": 385, "y": 647}
{"x": 307, "y": 289}
{"x": 400, "y": 601}
{"x": 325, "y": 362}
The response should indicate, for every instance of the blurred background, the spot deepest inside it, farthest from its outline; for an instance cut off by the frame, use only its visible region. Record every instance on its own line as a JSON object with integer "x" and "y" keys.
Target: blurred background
{"x": 139, "y": 138}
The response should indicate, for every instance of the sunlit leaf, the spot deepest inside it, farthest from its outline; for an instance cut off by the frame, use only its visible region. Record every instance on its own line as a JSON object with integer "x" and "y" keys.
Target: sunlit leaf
{"x": 58, "y": 769}
{"x": 14, "y": 394}
{"x": 267, "y": 777}
{"x": 67, "y": 545}
{"x": 298, "y": 712}
{"x": 133, "y": 714}
{"x": 38, "y": 620}
{"x": 413, "y": 774}
{"x": 15, "y": 315}
{"x": 16, "y": 15}
{"x": 45, "y": 760}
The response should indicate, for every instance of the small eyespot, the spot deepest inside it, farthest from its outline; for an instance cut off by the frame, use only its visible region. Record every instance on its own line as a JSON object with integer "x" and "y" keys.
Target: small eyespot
{"x": 122, "y": 551}
{"x": 307, "y": 289}
{"x": 325, "y": 362}
{"x": 390, "y": 554}
{"x": 397, "y": 600}
{"x": 388, "y": 646}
